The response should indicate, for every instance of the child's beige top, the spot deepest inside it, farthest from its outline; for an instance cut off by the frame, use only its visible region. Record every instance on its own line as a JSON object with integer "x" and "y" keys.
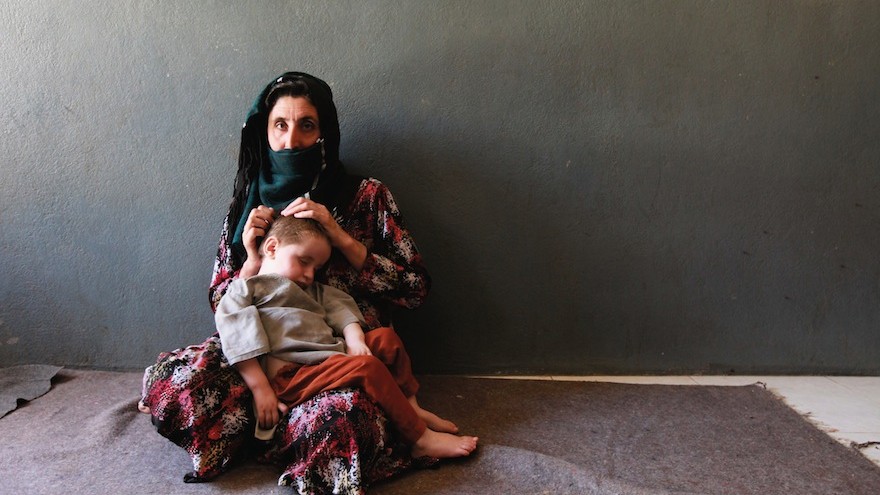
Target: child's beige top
{"x": 269, "y": 314}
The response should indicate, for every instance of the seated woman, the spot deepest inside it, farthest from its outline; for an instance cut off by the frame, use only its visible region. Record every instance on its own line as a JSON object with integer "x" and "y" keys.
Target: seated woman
{"x": 289, "y": 164}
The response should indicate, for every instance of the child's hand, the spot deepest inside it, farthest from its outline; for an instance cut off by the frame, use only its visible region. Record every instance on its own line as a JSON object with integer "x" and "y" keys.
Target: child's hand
{"x": 267, "y": 408}
{"x": 358, "y": 349}
{"x": 355, "y": 344}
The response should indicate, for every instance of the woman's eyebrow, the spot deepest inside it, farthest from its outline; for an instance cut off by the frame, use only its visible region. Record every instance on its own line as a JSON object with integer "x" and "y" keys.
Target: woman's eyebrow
{"x": 300, "y": 119}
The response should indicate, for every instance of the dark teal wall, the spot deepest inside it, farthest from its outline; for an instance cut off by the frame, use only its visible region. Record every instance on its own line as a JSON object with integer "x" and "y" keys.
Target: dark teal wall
{"x": 612, "y": 187}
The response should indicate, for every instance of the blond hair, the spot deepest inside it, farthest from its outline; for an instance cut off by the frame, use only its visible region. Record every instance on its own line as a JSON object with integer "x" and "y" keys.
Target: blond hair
{"x": 292, "y": 230}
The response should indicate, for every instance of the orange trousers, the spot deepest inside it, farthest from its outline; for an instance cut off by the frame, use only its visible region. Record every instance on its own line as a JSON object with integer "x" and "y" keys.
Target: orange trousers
{"x": 386, "y": 377}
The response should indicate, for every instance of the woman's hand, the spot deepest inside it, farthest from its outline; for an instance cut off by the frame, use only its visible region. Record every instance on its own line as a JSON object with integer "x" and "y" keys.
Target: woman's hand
{"x": 306, "y": 208}
{"x": 258, "y": 222}
{"x": 354, "y": 251}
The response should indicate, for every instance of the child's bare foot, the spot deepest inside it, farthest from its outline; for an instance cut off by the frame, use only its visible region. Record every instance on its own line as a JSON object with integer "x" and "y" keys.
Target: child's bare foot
{"x": 433, "y": 421}
{"x": 142, "y": 408}
{"x": 443, "y": 445}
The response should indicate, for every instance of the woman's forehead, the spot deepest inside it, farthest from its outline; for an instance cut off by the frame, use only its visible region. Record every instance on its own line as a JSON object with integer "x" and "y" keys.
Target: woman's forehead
{"x": 293, "y": 107}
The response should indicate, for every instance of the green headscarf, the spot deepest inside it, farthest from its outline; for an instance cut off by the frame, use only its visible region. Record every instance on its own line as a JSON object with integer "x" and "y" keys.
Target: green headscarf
{"x": 275, "y": 179}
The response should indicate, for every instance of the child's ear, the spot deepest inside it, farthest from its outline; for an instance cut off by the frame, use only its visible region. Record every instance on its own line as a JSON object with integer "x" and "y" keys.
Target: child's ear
{"x": 269, "y": 247}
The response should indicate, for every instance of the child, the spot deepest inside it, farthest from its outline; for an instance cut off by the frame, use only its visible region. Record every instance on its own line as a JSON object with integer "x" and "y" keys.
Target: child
{"x": 288, "y": 337}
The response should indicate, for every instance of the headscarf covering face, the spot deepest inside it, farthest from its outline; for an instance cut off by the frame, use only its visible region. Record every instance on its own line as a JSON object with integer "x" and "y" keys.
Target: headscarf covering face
{"x": 276, "y": 178}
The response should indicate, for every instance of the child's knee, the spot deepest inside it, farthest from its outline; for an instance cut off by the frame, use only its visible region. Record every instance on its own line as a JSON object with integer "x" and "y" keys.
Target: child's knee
{"x": 385, "y": 340}
{"x": 367, "y": 363}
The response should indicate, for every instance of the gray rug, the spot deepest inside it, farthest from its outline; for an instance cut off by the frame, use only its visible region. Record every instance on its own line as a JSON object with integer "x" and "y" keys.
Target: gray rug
{"x": 85, "y": 437}
{"x": 26, "y": 382}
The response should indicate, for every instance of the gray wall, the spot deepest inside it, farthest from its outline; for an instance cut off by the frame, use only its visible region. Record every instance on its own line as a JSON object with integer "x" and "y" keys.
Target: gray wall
{"x": 612, "y": 187}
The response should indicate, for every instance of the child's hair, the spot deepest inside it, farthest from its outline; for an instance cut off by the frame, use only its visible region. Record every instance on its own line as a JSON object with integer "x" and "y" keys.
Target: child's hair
{"x": 291, "y": 230}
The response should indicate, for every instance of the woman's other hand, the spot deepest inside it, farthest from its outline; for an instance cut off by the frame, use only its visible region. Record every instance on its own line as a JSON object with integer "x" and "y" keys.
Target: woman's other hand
{"x": 354, "y": 251}
{"x": 258, "y": 222}
{"x": 306, "y": 208}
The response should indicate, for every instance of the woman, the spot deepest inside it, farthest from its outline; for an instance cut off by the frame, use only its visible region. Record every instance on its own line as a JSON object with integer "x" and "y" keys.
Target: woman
{"x": 289, "y": 164}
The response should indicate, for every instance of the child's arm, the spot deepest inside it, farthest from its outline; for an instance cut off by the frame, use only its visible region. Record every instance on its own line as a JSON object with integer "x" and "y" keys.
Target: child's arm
{"x": 267, "y": 407}
{"x": 342, "y": 311}
{"x": 354, "y": 340}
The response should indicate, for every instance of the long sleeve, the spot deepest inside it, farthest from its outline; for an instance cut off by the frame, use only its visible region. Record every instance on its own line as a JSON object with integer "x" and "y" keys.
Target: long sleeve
{"x": 394, "y": 269}
{"x": 340, "y": 309}
{"x": 225, "y": 267}
{"x": 238, "y": 323}
{"x": 394, "y": 273}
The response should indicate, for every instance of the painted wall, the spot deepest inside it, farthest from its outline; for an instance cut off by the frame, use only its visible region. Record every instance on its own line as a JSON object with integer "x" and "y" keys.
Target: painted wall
{"x": 598, "y": 187}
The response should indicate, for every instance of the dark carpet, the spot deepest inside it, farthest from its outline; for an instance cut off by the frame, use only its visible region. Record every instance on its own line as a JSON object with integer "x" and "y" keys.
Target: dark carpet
{"x": 86, "y": 437}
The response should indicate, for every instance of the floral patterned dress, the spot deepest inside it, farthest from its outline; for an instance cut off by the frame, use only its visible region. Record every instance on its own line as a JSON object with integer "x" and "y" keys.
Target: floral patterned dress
{"x": 338, "y": 441}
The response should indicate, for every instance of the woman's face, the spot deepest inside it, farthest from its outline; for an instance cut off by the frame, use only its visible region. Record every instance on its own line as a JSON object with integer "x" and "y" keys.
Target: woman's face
{"x": 293, "y": 124}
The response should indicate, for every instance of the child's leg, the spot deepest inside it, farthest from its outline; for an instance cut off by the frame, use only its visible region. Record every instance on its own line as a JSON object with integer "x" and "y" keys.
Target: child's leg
{"x": 295, "y": 385}
{"x": 386, "y": 345}
{"x": 433, "y": 421}
{"x": 371, "y": 375}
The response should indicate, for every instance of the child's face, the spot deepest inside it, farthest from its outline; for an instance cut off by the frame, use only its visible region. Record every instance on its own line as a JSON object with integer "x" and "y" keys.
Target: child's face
{"x": 299, "y": 261}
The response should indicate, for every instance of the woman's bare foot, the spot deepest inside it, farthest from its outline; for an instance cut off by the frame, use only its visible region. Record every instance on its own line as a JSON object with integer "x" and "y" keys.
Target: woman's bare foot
{"x": 433, "y": 421}
{"x": 443, "y": 445}
{"x": 142, "y": 408}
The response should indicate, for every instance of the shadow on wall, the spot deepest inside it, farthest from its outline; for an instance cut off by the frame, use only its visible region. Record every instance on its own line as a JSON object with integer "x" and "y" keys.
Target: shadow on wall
{"x": 501, "y": 181}
{"x": 581, "y": 218}
{"x": 613, "y": 195}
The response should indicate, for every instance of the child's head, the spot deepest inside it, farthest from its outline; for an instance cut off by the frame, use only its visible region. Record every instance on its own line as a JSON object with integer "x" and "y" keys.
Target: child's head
{"x": 295, "y": 248}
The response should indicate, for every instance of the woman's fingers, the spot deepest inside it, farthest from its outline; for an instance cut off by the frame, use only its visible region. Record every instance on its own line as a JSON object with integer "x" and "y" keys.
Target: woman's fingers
{"x": 257, "y": 224}
{"x": 306, "y": 208}
{"x": 259, "y": 220}
{"x": 299, "y": 205}
{"x": 260, "y": 217}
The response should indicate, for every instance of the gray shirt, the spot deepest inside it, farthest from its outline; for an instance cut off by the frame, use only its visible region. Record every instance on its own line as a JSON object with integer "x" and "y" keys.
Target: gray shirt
{"x": 269, "y": 314}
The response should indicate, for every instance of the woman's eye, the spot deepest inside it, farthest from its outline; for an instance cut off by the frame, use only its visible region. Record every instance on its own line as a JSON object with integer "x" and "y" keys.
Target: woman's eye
{"x": 279, "y": 126}
{"x": 309, "y": 126}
